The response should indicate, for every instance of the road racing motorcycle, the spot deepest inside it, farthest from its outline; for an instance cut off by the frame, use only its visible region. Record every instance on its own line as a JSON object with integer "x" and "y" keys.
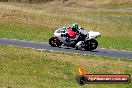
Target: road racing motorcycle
{"x": 87, "y": 42}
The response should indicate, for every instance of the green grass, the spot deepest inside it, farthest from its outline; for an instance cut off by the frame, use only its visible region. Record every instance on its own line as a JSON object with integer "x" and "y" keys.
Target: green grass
{"x": 115, "y": 43}
{"x": 101, "y": 3}
{"x": 24, "y": 33}
{"x": 37, "y": 22}
{"x": 23, "y": 67}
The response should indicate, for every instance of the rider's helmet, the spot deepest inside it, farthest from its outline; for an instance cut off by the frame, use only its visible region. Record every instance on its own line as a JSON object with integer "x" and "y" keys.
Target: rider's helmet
{"x": 74, "y": 27}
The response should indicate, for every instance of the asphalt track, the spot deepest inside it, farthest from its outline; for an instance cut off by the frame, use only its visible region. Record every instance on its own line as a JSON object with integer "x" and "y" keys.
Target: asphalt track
{"x": 46, "y": 46}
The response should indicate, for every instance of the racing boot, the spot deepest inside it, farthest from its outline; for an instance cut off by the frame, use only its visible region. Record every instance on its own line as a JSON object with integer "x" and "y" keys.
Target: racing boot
{"x": 78, "y": 46}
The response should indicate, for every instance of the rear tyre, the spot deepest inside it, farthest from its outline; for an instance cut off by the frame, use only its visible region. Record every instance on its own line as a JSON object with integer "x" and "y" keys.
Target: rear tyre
{"x": 90, "y": 45}
{"x": 54, "y": 42}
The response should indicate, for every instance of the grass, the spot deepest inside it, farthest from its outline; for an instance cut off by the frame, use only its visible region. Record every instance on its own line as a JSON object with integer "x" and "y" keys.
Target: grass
{"x": 24, "y": 67}
{"x": 24, "y": 33}
{"x": 102, "y": 3}
{"x": 37, "y": 22}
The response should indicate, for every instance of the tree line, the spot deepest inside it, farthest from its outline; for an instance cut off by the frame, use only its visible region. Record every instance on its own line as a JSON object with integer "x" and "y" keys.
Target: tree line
{"x": 30, "y": 1}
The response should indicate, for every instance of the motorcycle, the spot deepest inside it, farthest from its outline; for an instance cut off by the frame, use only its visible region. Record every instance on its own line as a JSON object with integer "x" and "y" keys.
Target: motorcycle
{"x": 87, "y": 42}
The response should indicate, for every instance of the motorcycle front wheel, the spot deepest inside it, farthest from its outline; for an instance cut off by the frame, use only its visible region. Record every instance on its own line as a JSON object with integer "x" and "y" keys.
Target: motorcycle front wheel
{"x": 90, "y": 45}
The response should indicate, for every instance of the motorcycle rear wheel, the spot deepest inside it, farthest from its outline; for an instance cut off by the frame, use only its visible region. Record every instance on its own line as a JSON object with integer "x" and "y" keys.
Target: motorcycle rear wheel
{"x": 54, "y": 42}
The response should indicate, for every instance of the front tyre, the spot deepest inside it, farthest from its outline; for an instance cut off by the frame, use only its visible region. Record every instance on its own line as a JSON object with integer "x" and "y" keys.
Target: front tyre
{"x": 90, "y": 45}
{"x": 54, "y": 42}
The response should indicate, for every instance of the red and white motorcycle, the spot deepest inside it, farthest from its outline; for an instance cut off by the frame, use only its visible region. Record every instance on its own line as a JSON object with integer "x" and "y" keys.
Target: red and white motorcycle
{"x": 80, "y": 42}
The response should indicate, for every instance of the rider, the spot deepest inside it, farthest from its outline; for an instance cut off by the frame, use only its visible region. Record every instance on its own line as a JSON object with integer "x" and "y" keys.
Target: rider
{"x": 79, "y": 31}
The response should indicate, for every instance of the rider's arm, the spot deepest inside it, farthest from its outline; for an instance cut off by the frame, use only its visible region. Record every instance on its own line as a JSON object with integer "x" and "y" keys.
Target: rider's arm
{"x": 82, "y": 31}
